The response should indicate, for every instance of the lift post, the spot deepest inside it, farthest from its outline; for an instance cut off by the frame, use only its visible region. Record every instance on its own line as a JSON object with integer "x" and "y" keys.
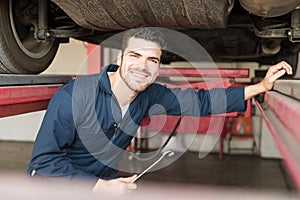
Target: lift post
{"x": 281, "y": 113}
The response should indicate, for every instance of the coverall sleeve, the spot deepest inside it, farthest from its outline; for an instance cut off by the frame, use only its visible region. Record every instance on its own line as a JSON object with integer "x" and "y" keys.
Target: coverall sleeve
{"x": 198, "y": 103}
{"x": 55, "y": 135}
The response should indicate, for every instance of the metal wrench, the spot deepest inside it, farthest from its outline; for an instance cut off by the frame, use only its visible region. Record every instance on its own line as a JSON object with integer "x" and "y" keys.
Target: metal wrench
{"x": 168, "y": 152}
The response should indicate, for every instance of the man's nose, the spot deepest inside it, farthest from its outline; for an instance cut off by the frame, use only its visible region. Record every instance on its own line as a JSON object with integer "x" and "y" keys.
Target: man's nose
{"x": 143, "y": 62}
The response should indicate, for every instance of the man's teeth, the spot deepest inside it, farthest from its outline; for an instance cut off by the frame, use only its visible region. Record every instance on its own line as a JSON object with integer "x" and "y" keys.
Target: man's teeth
{"x": 140, "y": 74}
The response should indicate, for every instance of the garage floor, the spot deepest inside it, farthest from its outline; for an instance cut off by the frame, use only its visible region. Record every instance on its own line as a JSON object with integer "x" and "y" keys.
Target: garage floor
{"x": 234, "y": 170}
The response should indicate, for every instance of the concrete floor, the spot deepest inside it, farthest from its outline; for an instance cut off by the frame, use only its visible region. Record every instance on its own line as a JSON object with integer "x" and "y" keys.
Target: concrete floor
{"x": 242, "y": 171}
{"x": 14, "y": 156}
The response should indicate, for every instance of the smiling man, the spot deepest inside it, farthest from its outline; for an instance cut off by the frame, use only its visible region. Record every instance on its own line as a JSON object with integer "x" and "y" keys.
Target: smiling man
{"x": 92, "y": 120}
{"x": 140, "y": 62}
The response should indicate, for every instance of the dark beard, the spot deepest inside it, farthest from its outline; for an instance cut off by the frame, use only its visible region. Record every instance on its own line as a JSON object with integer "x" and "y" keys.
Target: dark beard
{"x": 128, "y": 85}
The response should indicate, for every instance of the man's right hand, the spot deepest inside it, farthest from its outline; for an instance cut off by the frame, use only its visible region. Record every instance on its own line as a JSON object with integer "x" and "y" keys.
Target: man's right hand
{"x": 116, "y": 186}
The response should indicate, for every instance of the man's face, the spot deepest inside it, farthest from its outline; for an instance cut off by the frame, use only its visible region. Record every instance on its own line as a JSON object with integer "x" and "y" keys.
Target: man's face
{"x": 140, "y": 63}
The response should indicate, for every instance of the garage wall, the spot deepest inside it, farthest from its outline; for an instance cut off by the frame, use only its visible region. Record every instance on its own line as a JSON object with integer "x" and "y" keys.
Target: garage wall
{"x": 70, "y": 59}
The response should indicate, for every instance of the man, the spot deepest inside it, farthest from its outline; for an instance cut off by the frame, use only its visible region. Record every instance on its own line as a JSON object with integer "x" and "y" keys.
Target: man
{"x": 90, "y": 121}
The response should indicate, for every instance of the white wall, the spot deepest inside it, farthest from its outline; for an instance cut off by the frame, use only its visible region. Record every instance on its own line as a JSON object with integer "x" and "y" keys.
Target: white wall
{"x": 70, "y": 59}
{"x": 21, "y": 127}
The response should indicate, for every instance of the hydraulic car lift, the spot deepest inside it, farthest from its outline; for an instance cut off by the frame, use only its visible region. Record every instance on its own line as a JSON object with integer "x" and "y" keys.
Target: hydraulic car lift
{"x": 27, "y": 93}
{"x": 280, "y": 108}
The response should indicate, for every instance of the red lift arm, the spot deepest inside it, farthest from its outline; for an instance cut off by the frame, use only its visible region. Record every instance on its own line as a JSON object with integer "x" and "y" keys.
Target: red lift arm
{"x": 27, "y": 93}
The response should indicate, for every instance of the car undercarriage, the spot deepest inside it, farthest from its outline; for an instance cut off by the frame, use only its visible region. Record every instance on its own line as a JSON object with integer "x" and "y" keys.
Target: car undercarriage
{"x": 229, "y": 30}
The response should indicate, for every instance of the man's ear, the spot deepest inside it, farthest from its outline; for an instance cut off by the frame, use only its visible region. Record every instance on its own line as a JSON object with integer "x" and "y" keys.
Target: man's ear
{"x": 119, "y": 58}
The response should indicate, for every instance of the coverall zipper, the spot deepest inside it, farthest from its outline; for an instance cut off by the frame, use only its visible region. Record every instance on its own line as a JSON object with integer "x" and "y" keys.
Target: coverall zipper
{"x": 116, "y": 129}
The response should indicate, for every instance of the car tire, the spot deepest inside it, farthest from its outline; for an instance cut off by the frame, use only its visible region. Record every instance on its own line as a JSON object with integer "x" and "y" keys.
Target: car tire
{"x": 20, "y": 52}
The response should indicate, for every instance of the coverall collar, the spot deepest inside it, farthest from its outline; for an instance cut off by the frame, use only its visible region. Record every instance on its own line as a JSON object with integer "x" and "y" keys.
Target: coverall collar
{"x": 104, "y": 82}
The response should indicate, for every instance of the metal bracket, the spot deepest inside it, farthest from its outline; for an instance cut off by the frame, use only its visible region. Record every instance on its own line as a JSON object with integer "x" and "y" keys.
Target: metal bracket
{"x": 294, "y": 34}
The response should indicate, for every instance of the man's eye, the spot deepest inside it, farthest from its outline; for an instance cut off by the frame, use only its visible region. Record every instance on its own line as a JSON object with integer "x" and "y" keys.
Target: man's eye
{"x": 154, "y": 61}
{"x": 133, "y": 55}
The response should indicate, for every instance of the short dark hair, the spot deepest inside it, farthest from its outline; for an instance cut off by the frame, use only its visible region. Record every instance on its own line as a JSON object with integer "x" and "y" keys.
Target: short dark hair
{"x": 148, "y": 33}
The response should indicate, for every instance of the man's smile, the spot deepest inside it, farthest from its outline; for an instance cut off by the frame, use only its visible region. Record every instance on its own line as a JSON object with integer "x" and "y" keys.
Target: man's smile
{"x": 140, "y": 74}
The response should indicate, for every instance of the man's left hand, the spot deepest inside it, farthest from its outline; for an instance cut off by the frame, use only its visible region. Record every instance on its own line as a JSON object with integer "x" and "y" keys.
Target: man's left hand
{"x": 275, "y": 72}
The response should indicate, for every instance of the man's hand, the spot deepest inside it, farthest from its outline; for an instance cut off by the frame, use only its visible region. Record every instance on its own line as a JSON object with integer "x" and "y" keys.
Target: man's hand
{"x": 274, "y": 72}
{"x": 116, "y": 186}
